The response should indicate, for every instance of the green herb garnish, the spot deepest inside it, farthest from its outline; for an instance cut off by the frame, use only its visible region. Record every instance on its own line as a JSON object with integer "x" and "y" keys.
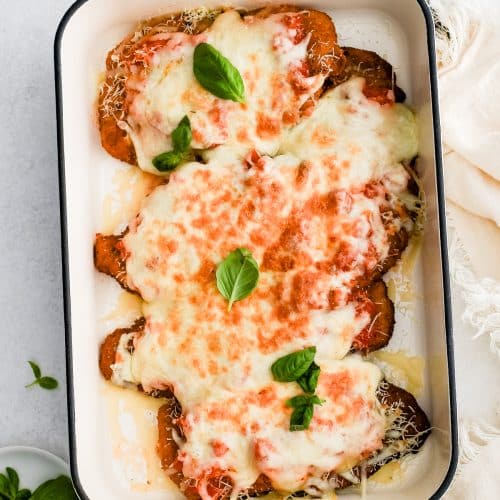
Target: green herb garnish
{"x": 48, "y": 383}
{"x": 303, "y": 411}
{"x": 216, "y": 74}
{"x": 9, "y": 486}
{"x": 60, "y": 488}
{"x": 181, "y": 141}
{"x": 291, "y": 367}
{"x": 237, "y": 275}
{"x": 300, "y": 367}
{"x": 182, "y": 136}
{"x": 309, "y": 381}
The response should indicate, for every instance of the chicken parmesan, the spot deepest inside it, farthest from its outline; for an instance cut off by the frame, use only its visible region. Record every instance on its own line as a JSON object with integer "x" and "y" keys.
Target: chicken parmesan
{"x": 290, "y": 190}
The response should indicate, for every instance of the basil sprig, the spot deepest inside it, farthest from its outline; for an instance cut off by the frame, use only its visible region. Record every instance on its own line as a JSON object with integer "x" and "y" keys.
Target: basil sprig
{"x": 181, "y": 141}
{"x": 300, "y": 367}
{"x": 293, "y": 366}
{"x": 303, "y": 411}
{"x": 9, "y": 486}
{"x": 216, "y": 74}
{"x": 60, "y": 488}
{"x": 182, "y": 135}
{"x": 309, "y": 381}
{"x": 237, "y": 276}
{"x": 48, "y": 383}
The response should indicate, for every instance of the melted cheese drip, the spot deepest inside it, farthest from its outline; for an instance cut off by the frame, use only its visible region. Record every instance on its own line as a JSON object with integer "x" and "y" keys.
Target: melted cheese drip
{"x": 315, "y": 228}
{"x": 130, "y": 188}
{"x": 270, "y": 62}
{"x": 133, "y": 435}
{"x": 387, "y": 474}
{"x": 405, "y": 370}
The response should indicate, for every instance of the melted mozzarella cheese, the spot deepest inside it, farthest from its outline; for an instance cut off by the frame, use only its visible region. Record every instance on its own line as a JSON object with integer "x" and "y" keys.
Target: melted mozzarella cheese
{"x": 331, "y": 237}
{"x": 251, "y": 428}
{"x": 270, "y": 63}
{"x": 312, "y": 220}
{"x": 363, "y": 139}
{"x": 193, "y": 344}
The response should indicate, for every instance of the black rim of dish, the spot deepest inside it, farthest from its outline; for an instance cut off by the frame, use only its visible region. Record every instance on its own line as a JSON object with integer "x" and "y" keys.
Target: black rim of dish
{"x": 442, "y": 233}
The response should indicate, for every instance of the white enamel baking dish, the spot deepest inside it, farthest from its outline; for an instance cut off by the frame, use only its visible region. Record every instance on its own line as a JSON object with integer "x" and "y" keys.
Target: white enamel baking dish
{"x": 399, "y": 30}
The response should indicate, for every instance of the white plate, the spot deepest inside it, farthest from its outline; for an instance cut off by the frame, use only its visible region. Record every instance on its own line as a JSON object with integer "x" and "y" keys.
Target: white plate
{"x": 34, "y": 466}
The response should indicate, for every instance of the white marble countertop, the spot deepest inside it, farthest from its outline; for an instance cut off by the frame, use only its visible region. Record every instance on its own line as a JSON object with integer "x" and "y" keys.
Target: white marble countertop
{"x": 30, "y": 268}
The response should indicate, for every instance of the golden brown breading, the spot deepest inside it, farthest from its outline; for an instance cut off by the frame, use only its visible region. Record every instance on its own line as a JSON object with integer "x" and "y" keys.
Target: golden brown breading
{"x": 107, "y": 352}
{"x": 167, "y": 447}
{"x": 110, "y": 257}
{"x": 378, "y": 333}
{"x": 323, "y": 53}
{"x": 378, "y": 73}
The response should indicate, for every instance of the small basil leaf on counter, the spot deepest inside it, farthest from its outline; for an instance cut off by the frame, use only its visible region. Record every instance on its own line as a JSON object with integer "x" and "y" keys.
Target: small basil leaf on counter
{"x": 301, "y": 417}
{"x": 292, "y": 366}
{"x": 309, "y": 381}
{"x": 60, "y": 488}
{"x": 36, "y": 369}
{"x": 182, "y": 136}
{"x": 48, "y": 383}
{"x": 216, "y": 74}
{"x": 237, "y": 276}
{"x": 168, "y": 161}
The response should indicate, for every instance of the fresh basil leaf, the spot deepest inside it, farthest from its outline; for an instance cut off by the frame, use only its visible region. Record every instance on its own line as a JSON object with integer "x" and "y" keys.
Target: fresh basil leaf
{"x": 48, "y": 383}
{"x": 24, "y": 494}
{"x": 297, "y": 401}
{"x": 182, "y": 136}
{"x": 181, "y": 140}
{"x": 168, "y": 161}
{"x": 4, "y": 486}
{"x": 36, "y": 369}
{"x": 60, "y": 488}
{"x": 216, "y": 74}
{"x": 309, "y": 399}
{"x": 292, "y": 366}
{"x": 315, "y": 400}
{"x": 309, "y": 381}
{"x": 301, "y": 418}
{"x": 237, "y": 276}
{"x": 44, "y": 382}
{"x": 13, "y": 480}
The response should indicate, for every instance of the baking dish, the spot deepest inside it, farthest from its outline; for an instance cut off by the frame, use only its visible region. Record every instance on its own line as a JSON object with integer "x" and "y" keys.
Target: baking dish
{"x": 106, "y": 455}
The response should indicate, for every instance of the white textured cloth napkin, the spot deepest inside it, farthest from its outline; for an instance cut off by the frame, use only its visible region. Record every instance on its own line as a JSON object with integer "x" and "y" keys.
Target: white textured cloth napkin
{"x": 469, "y": 81}
{"x": 468, "y": 45}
